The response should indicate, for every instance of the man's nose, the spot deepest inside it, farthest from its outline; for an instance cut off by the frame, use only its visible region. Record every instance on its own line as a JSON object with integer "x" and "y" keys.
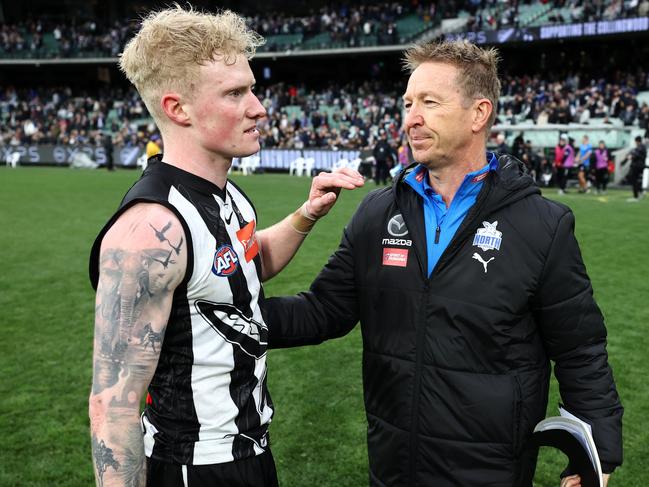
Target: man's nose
{"x": 256, "y": 110}
{"x": 412, "y": 118}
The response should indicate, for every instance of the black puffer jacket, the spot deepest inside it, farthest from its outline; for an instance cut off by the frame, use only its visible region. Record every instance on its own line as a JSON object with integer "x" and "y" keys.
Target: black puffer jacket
{"x": 456, "y": 366}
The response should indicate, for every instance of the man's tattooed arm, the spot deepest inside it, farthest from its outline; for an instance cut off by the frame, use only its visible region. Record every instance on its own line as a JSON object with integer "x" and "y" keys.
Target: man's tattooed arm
{"x": 143, "y": 259}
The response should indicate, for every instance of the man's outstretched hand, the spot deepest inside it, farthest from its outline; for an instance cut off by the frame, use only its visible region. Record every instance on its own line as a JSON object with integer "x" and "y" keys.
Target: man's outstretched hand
{"x": 326, "y": 186}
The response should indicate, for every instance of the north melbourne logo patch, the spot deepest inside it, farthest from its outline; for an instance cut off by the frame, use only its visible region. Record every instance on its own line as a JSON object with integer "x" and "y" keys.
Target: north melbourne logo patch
{"x": 488, "y": 238}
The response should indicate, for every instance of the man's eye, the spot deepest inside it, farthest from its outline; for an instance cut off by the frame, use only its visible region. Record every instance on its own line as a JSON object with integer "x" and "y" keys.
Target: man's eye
{"x": 236, "y": 93}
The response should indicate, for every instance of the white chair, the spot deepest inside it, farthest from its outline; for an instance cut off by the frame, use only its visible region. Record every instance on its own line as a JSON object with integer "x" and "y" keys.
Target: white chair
{"x": 296, "y": 166}
{"x": 355, "y": 163}
{"x": 142, "y": 161}
{"x": 243, "y": 166}
{"x": 81, "y": 160}
{"x": 309, "y": 162}
{"x": 249, "y": 164}
{"x": 339, "y": 164}
{"x": 236, "y": 164}
{"x": 12, "y": 159}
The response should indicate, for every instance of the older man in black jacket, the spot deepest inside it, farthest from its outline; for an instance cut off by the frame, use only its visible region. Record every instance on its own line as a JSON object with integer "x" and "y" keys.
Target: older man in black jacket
{"x": 467, "y": 284}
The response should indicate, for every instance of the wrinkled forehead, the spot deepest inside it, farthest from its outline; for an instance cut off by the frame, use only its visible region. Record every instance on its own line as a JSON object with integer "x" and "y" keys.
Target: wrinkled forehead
{"x": 433, "y": 77}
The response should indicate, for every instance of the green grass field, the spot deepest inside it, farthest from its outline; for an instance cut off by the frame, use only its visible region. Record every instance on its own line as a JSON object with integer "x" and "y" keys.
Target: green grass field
{"x": 48, "y": 220}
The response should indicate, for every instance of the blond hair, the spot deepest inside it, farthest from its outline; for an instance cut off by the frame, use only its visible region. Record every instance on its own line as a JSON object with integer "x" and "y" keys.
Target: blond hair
{"x": 478, "y": 68}
{"x": 172, "y": 44}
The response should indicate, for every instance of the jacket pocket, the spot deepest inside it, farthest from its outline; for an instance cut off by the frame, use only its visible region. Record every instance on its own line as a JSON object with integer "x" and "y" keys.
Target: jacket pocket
{"x": 467, "y": 407}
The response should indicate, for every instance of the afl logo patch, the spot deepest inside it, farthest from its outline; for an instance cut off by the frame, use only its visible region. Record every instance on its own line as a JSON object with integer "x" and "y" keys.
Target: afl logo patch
{"x": 226, "y": 261}
{"x": 397, "y": 227}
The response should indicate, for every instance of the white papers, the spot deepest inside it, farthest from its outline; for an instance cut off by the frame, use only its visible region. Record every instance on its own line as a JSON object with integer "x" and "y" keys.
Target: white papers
{"x": 578, "y": 428}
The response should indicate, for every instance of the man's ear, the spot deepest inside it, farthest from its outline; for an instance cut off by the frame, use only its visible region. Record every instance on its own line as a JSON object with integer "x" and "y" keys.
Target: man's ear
{"x": 482, "y": 109}
{"x": 173, "y": 108}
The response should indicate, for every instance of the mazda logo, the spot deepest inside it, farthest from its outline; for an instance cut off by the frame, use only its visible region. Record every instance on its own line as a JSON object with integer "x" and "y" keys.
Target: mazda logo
{"x": 397, "y": 227}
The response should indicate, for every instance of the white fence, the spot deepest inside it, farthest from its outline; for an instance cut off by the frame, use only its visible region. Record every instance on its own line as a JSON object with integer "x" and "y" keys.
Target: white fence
{"x": 281, "y": 159}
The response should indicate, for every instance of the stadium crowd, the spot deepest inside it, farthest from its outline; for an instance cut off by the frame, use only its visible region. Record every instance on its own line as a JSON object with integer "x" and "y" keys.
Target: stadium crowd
{"x": 345, "y": 23}
{"x": 67, "y": 39}
{"x": 62, "y": 117}
{"x": 575, "y": 100}
{"x": 497, "y": 14}
{"x": 337, "y": 117}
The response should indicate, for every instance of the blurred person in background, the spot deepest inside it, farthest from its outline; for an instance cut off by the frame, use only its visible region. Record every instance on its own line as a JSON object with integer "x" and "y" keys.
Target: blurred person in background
{"x": 501, "y": 144}
{"x": 602, "y": 158}
{"x": 561, "y": 153}
{"x": 107, "y": 143}
{"x": 384, "y": 157}
{"x": 638, "y": 159}
{"x": 153, "y": 146}
{"x": 583, "y": 164}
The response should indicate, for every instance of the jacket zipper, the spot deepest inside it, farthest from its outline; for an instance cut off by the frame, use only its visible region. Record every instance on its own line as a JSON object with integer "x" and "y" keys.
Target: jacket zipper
{"x": 414, "y": 435}
{"x": 475, "y": 214}
{"x": 456, "y": 242}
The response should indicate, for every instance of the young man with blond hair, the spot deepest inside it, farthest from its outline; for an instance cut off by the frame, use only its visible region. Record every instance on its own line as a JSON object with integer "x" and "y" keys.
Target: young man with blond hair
{"x": 467, "y": 283}
{"x": 178, "y": 271}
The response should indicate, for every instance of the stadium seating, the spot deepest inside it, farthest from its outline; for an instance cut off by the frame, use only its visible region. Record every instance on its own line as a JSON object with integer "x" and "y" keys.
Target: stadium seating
{"x": 282, "y": 42}
{"x": 529, "y": 14}
{"x": 410, "y": 26}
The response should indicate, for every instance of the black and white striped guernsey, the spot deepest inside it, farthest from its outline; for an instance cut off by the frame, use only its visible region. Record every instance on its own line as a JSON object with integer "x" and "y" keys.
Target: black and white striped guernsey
{"x": 208, "y": 400}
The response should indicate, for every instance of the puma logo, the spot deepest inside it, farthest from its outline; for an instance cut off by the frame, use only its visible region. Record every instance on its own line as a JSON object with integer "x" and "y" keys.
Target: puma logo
{"x": 477, "y": 257}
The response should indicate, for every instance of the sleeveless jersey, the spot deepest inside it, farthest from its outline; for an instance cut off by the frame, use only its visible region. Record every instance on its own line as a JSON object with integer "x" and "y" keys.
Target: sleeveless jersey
{"x": 208, "y": 401}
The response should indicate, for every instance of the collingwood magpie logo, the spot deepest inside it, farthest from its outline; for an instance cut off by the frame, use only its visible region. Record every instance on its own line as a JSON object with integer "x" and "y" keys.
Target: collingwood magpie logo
{"x": 229, "y": 322}
{"x": 488, "y": 238}
{"x": 397, "y": 227}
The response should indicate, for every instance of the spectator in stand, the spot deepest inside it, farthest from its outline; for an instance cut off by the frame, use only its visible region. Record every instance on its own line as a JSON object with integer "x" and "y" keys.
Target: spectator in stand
{"x": 501, "y": 144}
{"x": 643, "y": 116}
{"x": 628, "y": 116}
{"x": 601, "y": 167}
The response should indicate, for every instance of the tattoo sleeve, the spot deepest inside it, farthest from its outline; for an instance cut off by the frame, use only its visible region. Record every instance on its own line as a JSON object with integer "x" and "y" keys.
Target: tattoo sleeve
{"x": 134, "y": 298}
